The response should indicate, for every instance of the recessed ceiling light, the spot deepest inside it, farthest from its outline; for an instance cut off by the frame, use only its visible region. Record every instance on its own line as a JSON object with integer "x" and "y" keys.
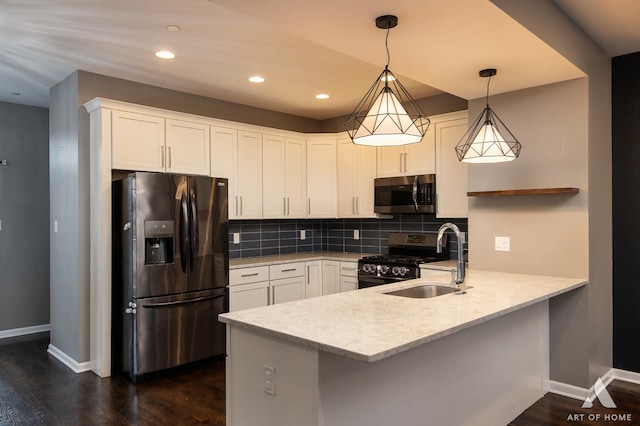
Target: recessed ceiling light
{"x": 165, "y": 54}
{"x": 173, "y": 28}
{"x": 322, "y": 96}
{"x": 256, "y": 79}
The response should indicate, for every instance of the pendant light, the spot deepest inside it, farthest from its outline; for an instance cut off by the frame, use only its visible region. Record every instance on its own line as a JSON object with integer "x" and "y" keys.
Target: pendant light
{"x": 488, "y": 140}
{"x": 387, "y": 115}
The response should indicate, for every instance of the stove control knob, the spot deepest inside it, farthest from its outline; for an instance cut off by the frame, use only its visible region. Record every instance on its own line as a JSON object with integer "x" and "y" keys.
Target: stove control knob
{"x": 403, "y": 271}
{"x": 369, "y": 268}
{"x": 395, "y": 270}
{"x": 384, "y": 269}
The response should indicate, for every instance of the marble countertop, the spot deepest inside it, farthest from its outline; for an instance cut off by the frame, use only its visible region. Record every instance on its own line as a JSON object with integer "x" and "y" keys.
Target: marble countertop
{"x": 297, "y": 257}
{"x": 368, "y": 325}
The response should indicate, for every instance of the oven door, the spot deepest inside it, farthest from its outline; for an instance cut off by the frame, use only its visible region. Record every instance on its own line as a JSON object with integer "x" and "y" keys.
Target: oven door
{"x": 365, "y": 280}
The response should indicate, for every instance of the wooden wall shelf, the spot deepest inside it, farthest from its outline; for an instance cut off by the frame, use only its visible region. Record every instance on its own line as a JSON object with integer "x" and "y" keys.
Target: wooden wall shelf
{"x": 512, "y": 192}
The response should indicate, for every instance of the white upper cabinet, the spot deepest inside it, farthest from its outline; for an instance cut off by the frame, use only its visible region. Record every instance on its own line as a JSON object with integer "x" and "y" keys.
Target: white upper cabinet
{"x": 322, "y": 200}
{"x": 137, "y": 142}
{"x": 283, "y": 177}
{"x": 156, "y": 144}
{"x": 356, "y": 172}
{"x": 248, "y": 201}
{"x": 451, "y": 174}
{"x": 414, "y": 159}
{"x": 237, "y": 156}
{"x": 187, "y": 148}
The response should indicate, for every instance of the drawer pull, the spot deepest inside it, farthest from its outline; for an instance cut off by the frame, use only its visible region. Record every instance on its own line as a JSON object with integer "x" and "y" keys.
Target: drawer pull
{"x": 348, "y": 269}
{"x": 288, "y": 270}
{"x": 249, "y": 275}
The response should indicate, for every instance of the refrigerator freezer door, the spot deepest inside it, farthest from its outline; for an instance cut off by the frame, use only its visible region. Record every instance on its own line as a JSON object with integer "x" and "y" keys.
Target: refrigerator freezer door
{"x": 209, "y": 243}
{"x": 178, "y": 329}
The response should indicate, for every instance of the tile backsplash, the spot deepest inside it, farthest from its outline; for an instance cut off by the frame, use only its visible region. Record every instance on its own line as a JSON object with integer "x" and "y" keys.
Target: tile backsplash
{"x": 283, "y": 236}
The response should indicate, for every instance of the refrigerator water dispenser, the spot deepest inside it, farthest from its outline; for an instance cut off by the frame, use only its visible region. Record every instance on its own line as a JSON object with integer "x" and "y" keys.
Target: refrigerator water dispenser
{"x": 158, "y": 242}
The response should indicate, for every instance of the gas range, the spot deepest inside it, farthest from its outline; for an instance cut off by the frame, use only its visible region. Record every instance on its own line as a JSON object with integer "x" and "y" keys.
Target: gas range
{"x": 406, "y": 253}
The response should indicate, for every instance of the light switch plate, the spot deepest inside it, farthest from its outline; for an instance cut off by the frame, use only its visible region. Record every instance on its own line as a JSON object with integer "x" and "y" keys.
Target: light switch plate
{"x": 356, "y": 234}
{"x": 236, "y": 238}
{"x": 503, "y": 244}
{"x": 303, "y": 234}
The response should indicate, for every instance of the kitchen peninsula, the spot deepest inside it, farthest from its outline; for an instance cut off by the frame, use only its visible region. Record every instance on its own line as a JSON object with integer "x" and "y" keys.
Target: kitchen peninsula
{"x": 364, "y": 357}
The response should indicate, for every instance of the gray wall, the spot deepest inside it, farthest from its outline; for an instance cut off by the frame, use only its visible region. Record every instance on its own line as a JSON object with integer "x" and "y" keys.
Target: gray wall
{"x": 24, "y": 203}
{"x": 68, "y": 162}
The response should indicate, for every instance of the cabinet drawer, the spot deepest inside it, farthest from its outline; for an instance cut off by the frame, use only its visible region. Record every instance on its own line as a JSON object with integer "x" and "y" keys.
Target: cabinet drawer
{"x": 286, "y": 270}
{"x": 247, "y": 296}
{"x": 248, "y": 275}
{"x": 348, "y": 269}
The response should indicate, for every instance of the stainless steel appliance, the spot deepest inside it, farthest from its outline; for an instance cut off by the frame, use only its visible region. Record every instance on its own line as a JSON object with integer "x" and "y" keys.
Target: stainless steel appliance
{"x": 406, "y": 253}
{"x": 170, "y": 270}
{"x": 405, "y": 194}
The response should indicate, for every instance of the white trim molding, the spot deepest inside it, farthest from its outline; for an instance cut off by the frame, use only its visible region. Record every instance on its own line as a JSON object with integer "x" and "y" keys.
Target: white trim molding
{"x": 5, "y": 334}
{"x": 577, "y": 392}
{"x": 75, "y": 366}
{"x": 626, "y": 376}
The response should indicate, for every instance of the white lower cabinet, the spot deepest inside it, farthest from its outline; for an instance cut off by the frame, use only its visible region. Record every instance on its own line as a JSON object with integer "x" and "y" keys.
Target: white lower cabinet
{"x": 287, "y": 282}
{"x": 330, "y": 277}
{"x": 287, "y": 290}
{"x": 248, "y": 288}
{"x": 313, "y": 286}
{"x": 348, "y": 276}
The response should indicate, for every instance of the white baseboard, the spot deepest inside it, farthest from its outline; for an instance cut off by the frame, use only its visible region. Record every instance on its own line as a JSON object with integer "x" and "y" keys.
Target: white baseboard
{"x": 75, "y": 366}
{"x": 626, "y": 376}
{"x": 577, "y": 392}
{"x": 5, "y": 334}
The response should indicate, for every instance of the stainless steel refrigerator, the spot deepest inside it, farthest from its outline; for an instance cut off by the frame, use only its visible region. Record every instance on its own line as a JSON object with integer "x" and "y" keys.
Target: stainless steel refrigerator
{"x": 170, "y": 270}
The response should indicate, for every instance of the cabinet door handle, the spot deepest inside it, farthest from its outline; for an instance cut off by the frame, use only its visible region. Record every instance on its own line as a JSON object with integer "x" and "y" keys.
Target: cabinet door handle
{"x": 284, "y": 206}
{"x": 241, "y": 205}
{"x": 162, "y": 157}
{"x": 353, "y": 205}
{"x": 309, "y": 206}
{"x": 308, "y": 273}
{"x": 357, "y": 205}
{"x": 236, "y": 211}
{"x": 268, "y": 296}
{"x": 288, "y": 207}
{"x": 405, "y": 161}
{"x": 169, "y": 148}
{"x": 273, "y": 296}
{"x": 401, "y": 169}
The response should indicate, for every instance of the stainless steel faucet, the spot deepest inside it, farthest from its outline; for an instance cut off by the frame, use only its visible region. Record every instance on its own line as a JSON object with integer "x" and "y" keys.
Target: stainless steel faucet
{"x": 460, "y": 271}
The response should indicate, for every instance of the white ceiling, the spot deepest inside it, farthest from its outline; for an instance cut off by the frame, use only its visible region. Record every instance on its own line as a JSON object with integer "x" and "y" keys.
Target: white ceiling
{"x": 301, "y": 47}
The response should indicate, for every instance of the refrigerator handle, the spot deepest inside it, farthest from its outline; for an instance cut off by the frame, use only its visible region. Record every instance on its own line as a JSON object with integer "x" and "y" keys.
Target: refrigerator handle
{"x": 184, "y": 231}
{"x": 194, "y": 231}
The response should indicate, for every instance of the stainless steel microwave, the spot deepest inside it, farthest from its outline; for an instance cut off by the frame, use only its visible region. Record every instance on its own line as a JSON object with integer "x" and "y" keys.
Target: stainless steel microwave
{"x": 405, "y": 194}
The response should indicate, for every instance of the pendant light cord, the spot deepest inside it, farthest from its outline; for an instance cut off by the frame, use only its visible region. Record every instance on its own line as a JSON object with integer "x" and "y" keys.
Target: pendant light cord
{"x": 386, "y": 46}
{"x": 488, "y": 81}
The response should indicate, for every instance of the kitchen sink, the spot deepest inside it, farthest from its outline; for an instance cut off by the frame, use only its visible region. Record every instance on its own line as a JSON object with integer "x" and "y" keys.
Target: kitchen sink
{"x": 424, "y": 291}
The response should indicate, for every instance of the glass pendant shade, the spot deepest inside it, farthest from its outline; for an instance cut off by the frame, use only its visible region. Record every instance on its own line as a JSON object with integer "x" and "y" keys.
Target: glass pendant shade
{"x": 387, "y": 115}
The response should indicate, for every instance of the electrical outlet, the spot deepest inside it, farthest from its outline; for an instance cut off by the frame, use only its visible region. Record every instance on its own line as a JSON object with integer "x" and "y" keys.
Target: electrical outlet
{"x": 269, "y": 380}
{"x": 503, "y": 244}
{"x": 303, "y": 234}
{"x": 236, "y": 238}
{"x": 356, "y": 234}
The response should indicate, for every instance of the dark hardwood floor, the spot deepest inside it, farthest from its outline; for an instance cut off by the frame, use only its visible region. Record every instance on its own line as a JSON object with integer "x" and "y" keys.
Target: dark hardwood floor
{"x": 37, "y": 389}
{"x": 559, "y": 410}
